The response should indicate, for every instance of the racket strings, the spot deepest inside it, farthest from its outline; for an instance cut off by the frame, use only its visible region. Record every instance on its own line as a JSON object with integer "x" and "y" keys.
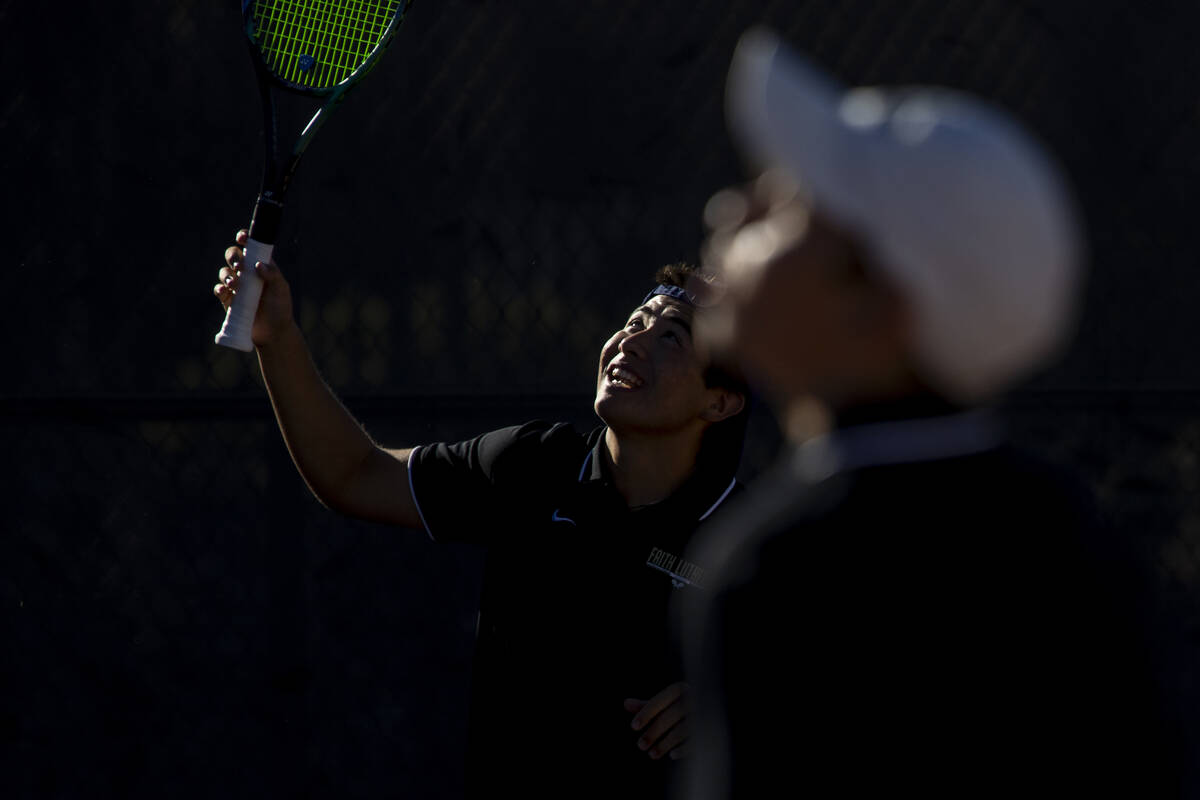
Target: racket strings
{"x": 318, "y": 44}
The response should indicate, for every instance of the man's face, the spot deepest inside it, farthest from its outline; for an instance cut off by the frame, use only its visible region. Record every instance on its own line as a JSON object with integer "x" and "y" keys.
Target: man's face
{"x": 794, "y": 301}
{"x": 651, "y": 377}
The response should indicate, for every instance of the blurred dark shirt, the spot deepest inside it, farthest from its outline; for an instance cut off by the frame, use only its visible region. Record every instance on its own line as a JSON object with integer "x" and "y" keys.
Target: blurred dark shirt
{"x": 955, "y": 625}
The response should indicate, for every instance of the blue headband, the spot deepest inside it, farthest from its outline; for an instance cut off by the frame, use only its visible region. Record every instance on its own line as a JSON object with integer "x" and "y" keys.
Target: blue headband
{"x": 677, "y": 292}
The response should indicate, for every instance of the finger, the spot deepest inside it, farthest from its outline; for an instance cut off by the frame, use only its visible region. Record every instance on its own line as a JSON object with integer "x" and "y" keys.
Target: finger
{"x": 242, "y": 236}
{"x": 229, "y": 277}
{"x": 656, "y": 704}
{"x": 633, "y": 705}
{"x": 670, "y": 743}
{"x": 659, "y": 727}
{"x": 268, "y": 272}
{"x": 224, "y": 294}
{"x": 233, "y": 256}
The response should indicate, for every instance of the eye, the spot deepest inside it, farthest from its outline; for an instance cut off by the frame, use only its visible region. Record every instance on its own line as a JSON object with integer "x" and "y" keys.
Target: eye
{"x": 674, "y": 337}
{"x": 634, "y": 324}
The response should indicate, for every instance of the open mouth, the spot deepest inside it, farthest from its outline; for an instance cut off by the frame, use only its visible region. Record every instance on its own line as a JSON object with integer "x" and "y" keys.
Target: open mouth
{"x": 621, "y": 377}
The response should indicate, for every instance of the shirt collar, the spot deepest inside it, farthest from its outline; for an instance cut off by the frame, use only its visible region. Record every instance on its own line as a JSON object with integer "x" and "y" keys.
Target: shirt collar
{"x": 897, "y": 441}
{"x": 698, "y": 498}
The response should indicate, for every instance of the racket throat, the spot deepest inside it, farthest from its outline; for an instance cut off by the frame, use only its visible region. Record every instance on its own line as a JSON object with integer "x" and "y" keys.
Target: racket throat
{"x": 264, "y": 225}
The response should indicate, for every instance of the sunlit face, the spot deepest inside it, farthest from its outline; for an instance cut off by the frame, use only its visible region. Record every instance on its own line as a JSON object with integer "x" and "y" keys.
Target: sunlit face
{"x": 651, "y": 376}
{"x": 796, "y": 310}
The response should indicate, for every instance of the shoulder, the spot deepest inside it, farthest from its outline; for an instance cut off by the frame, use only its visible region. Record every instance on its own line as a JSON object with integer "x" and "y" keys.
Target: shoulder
{"x": 538, "y": 444}
{"x": 515, "y": 460}
{"x": 1015, "y": 482}
{"x": 537, "y": 441}
{"x": 462, "y": 488}
{"x": 1005, "y": 479}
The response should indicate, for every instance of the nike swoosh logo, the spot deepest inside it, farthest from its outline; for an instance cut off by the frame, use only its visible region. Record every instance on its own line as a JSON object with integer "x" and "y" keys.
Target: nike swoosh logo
{"x": 556, "y": 518}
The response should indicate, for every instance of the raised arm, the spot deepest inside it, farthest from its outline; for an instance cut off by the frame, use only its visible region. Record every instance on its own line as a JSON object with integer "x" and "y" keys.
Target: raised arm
{"x": 339, "y": 461}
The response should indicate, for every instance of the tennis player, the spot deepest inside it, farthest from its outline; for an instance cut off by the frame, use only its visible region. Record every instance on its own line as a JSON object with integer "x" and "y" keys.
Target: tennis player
{"x": 577, "y": 683}
{"x": 907, "y": 606}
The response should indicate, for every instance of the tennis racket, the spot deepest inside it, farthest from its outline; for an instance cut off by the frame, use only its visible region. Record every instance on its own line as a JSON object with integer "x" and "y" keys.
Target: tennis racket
{"x": 320, "y": 49}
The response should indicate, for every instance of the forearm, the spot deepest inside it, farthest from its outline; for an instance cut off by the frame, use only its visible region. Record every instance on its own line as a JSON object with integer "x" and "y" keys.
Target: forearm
{"x": 337, "y": 459}
{"x": 328, "y": 446}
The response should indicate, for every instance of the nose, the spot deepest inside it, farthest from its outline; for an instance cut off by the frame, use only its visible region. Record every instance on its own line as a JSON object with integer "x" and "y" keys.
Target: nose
{"x": 634, "y": 343}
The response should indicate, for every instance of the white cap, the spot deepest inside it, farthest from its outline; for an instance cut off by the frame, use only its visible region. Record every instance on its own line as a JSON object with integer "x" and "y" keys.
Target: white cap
{"x": 958, "y": 206}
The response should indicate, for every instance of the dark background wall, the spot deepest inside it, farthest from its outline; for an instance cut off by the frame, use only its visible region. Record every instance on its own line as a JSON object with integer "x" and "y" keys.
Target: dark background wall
{"x": 178, "y": 615}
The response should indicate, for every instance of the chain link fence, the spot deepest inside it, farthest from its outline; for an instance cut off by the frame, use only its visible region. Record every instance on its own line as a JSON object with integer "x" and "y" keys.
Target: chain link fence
{"x": 461, "y": 239}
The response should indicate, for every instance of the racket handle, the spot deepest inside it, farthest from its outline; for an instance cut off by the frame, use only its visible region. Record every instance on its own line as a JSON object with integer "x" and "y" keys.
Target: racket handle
{"x": 239, "y": 319}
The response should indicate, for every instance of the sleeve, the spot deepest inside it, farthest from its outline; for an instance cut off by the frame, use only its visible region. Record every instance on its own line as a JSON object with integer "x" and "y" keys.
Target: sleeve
{"x": 472, "y": 490}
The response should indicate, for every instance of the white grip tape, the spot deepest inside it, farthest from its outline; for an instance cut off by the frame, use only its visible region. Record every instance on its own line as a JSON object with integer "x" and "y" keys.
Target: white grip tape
{"x": 239, "y": 319}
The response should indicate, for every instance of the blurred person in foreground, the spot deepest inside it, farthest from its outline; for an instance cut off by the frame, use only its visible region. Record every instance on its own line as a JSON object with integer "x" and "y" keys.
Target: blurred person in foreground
{"x": 905, "y": 603}
{"x": 576, "y": 683}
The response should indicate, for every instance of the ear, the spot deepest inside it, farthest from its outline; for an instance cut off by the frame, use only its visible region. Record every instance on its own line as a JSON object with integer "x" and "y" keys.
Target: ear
{"x": 723, "y": 404}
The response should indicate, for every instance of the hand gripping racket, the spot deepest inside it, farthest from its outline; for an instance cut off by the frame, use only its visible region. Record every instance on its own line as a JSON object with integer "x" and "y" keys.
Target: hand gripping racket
{"x": 316, "y": 48}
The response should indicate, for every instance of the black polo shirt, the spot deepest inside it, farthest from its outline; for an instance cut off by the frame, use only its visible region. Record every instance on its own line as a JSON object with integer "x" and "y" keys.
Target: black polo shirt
{"x": 919, "y": 609}
{"x": 574, "y": 609}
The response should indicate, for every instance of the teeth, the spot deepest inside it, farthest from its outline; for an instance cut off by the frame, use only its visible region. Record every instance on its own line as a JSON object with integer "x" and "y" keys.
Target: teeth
{"x": 624, "y": 377}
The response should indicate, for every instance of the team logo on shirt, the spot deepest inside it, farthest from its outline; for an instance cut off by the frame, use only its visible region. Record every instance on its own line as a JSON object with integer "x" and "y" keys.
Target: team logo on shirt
{"x": 682, "y": 573}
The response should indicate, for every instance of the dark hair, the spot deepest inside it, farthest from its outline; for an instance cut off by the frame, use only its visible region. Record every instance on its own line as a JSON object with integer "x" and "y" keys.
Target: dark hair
{"x": 689, "y": 277}
{"x": 724, "y": 439}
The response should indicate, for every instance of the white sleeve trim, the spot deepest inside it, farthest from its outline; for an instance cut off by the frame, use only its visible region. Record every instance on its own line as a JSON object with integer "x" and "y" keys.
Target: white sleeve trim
{"x": 720, "y": 499}
{"x": 412, "y": 490}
